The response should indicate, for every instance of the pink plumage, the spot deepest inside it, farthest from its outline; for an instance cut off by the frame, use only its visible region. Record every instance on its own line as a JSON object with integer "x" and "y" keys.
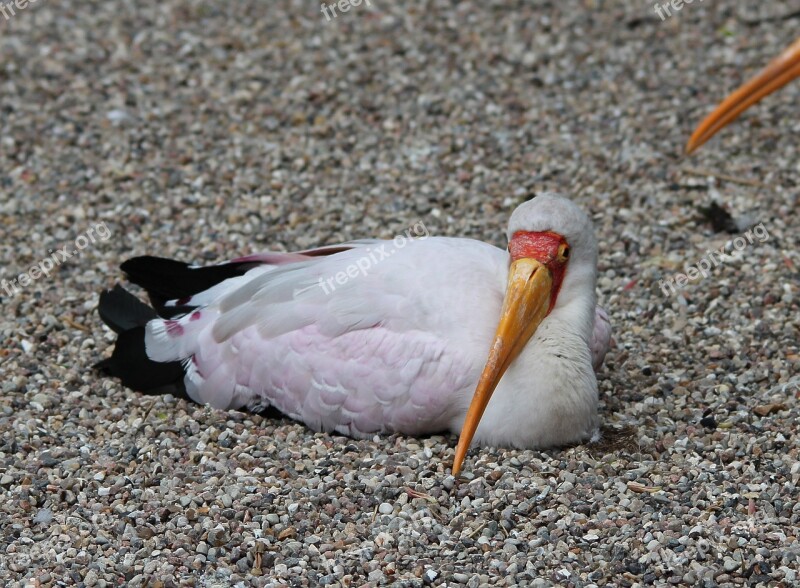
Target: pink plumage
{"x": 396, "y": 345}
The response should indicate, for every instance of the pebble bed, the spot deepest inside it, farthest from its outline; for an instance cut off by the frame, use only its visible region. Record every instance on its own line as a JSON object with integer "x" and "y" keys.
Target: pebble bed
{"x": 203, "y": 131}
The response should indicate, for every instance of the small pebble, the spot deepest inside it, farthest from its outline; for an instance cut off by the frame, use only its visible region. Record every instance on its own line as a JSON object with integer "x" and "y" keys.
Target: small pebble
{"x": 385, "y": 508}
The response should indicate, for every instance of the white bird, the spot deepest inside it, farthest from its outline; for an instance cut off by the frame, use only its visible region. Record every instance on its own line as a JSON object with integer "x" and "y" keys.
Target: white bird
{"x": 398, "y": 344}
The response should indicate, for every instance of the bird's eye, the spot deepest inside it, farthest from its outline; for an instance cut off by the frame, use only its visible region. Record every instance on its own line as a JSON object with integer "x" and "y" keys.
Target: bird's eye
{"x": 564, "y": 253}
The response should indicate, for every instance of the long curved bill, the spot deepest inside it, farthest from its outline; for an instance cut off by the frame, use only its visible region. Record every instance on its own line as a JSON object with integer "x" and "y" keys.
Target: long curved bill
{"x": 526, "y": 304}
{"x": 777, "y": 74}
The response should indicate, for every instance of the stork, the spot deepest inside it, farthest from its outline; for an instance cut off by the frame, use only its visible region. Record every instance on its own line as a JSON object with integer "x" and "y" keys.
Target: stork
{"x": 440, "y": 334}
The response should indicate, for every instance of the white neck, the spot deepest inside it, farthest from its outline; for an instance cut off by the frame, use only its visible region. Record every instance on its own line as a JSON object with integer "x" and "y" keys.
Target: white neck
{"x": 548, "y": 396}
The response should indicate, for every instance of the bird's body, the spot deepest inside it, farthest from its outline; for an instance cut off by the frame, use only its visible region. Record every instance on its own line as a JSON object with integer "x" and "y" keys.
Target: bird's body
{"x": 398, "y": 347}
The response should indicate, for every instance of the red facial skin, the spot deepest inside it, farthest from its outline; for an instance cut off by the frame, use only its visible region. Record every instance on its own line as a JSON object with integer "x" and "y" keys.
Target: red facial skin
{"x": 543, "y": 247}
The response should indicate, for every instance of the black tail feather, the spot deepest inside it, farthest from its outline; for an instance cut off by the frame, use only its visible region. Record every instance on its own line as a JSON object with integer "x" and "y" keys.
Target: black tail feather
{"x": 164, "y": 280}
{"x": 167, "y": 279}
{"x": 129, "y": 363}
{"x": 127, "y": 316}
{"x": 122, "y": 311}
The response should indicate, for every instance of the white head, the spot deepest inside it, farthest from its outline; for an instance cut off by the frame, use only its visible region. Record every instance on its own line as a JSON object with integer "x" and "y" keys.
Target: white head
{"x": 539, "y": 227}
{"x": 551, "y": 213}
{"x": 553, "y": 254}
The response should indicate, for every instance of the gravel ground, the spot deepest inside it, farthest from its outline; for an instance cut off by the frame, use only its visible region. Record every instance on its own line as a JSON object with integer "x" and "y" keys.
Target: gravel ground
{"x": 203, "y": 132}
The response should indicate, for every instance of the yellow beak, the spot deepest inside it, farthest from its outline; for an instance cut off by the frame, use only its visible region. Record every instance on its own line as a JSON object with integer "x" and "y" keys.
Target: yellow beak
{"x": 777, "y": 74}
{"x": 526, "y": 304}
